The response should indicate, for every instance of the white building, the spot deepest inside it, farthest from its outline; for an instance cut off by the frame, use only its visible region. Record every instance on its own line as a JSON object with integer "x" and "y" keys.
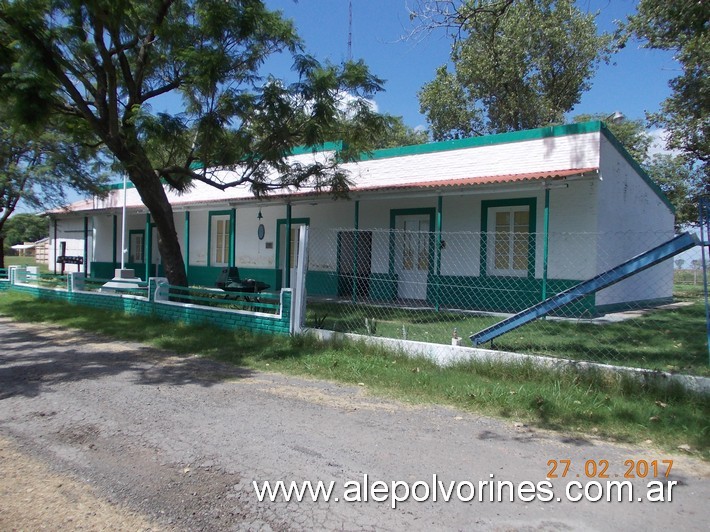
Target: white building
{"x": 489, "y": 223}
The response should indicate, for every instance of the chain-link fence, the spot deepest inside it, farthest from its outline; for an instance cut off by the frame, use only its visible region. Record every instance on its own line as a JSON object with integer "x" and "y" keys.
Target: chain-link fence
{"x": 426, "y": 286}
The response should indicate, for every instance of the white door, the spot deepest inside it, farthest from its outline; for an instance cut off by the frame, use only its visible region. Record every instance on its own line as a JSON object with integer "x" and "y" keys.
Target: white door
{"x": 412, "y": 256}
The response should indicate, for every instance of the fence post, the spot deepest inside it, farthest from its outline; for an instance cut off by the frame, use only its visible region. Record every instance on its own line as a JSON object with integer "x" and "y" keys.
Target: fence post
{"x": 17, "y": 274}
{"x": 76, "y": 281}
{"x": 298, "y": 301}
{"x": 158, "y": 289}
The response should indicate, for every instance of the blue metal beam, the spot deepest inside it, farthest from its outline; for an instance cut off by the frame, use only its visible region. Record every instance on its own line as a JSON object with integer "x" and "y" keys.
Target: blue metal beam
{"x": 639, "y": 263}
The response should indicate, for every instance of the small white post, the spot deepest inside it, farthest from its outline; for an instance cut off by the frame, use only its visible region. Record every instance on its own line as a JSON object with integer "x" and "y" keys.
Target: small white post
{"x": 298, "y": 303}
{"x": 76, "y": 281}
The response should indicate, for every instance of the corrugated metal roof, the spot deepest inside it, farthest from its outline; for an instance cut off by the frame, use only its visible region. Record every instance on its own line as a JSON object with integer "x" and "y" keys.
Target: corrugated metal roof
{"x": 484, "y": 180}
{"x": 245, "y": 195}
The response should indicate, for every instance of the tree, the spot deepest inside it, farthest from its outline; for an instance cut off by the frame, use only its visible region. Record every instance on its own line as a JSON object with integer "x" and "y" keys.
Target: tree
{"x": 25, "y": 227}
{"x": 679, "y": 178}
{"x": 104, "y": 61}
{"x": 682, "y": 182}
{"x": 518, "y": 64}
{"x": 397, "y": 133}
{"x": 681, "y": 26}
{"x": 36, "y": 167}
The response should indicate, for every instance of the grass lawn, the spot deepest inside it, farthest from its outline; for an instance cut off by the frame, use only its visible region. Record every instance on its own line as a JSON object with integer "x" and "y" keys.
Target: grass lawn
{"x": 12, "y": 260}
{"x": 665, "y": 339}
{"x": 611, "y": 407}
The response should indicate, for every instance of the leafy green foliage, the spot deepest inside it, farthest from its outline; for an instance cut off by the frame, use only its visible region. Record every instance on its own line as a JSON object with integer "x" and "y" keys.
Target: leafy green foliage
{"x": 682, "y": 181}
{"x": 25, "y": 228}
{"x": 37, "y": 165}
{"x": 517, "y": 65}
{"x": 680, "y": 178}
{"x": 104, "y": 62}
{"x": 681, "y": 26}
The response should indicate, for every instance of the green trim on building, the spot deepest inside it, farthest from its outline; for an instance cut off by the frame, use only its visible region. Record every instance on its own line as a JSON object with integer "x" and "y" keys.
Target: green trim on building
{"x": 280, "y": 222}
{"x": 207, "y": 275}
{"x": 187, "y": 243}
{"x": 232, "y": 237}
{"x": 487, "y": 140}
{"x": 531, "y": 203}
{"x": 105, "y": 270}
{"x": 501, "y": 294}
{"x": 327, "y": 146}
{"x": 383, "y": 286}
{"x": 115, "y": 240}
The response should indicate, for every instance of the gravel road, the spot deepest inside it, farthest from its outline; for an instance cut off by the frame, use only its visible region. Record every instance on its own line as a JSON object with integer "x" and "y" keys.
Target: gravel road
{"x": 96, "y": 434}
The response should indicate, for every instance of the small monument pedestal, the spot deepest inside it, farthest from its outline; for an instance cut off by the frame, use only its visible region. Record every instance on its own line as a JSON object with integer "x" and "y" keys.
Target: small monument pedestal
{"x": 123, "y": 279}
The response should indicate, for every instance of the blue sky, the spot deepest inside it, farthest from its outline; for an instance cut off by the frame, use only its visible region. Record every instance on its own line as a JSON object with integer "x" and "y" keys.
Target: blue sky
{"x": 635, "y": 82}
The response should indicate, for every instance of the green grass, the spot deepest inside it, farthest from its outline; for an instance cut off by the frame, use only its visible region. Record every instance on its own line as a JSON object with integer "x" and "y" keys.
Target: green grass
{"x": 669, "y": 339}
{"x": 613, "y": 407}
{"x": 11, "y": 260}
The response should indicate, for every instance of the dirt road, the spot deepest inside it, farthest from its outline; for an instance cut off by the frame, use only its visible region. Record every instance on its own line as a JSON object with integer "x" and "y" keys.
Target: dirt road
{"x": 100, "y": 435}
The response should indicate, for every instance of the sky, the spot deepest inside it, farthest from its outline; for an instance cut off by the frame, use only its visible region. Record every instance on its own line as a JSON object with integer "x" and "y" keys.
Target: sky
{"x": 635, "y": 82}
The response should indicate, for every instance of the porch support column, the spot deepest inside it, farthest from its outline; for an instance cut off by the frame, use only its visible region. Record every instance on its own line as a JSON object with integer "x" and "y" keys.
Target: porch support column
{"x": 356, "y": 225}
{"x": 86, "y": 245}
{"x": 55, "y": 246}
{"x": 437, "y": 269}
{"x": 187, "y": 242}
{"x": 545, "y": 242}
{"x": 232, "y": 236}
{"x": 115, "y": 239}
{"x": 148, "y": 245}
{"x": 287, "y": 258}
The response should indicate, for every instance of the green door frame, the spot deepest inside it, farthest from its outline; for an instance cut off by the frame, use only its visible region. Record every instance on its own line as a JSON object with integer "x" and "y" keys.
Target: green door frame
{"x": 394, "y": 213}
{"x": 288, "y": 222}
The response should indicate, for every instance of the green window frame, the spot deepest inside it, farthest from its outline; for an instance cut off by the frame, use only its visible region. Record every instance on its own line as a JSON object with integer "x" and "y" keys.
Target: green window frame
{"x": 501, "y": 254}
{"x": 220, "y": 238}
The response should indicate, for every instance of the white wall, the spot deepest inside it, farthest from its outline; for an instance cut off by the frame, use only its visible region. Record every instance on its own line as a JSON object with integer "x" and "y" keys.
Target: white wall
{"x": 632, "y": 219}
{"x": 101, "y": 227}
{"x": 71, "y": 231}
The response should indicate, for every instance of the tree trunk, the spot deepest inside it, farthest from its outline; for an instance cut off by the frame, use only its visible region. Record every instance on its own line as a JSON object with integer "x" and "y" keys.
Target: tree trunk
{"x": 136, "y": 163}
{"x": 153, "y": 195}
{"x": 2, "y": 252}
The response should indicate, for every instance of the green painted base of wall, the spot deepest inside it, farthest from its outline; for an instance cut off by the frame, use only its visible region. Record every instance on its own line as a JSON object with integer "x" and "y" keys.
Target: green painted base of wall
{"x": 383, "y": 287}
{"x": 207, "y": 276}
{"x": 324, "y": 284}
{"x": 317, "y": 283}
{"x": 4, "y": 285}
{"x": 501, "y": 294}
